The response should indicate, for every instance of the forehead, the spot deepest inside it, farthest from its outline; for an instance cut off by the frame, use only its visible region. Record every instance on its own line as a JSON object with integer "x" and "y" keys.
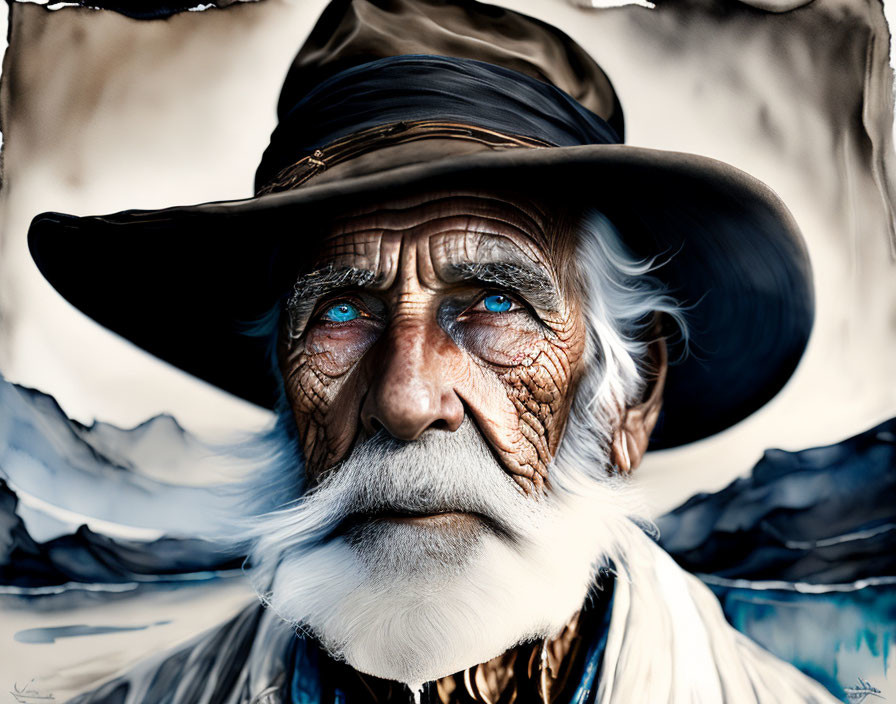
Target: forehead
{"x": 443, "y": 230}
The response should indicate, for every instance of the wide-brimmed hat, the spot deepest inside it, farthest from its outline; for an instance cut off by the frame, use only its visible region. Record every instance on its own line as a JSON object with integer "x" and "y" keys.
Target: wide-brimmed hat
{"x": 388, "y": 96}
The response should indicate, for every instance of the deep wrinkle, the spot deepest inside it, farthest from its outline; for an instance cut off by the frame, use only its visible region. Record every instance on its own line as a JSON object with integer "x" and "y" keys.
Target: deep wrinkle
{"x": 423, "y": 350}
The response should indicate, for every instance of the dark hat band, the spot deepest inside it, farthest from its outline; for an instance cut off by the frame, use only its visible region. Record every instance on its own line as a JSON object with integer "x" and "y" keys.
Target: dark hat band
{"x": 359, "y": 143}
{"x": 419, "y": 89}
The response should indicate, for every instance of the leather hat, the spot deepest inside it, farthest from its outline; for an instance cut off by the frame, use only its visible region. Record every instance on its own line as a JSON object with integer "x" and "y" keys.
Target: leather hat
{"x": 391, "y": 95}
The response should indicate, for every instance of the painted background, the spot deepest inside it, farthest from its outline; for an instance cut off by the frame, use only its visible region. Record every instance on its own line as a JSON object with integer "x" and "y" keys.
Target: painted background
{"x": 102, "y": 113}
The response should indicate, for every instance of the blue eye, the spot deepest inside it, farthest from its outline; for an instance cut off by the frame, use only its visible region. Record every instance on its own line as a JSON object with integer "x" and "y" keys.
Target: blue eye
{"x": 341, "y": 313}
{"x": 496, "y": 303}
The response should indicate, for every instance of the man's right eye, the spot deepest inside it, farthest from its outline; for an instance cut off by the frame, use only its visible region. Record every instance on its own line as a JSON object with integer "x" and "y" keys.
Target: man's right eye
{"x": 341, "y": 312}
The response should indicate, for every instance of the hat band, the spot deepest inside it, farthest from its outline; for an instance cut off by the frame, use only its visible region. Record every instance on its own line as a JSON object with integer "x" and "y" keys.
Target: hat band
{"x": 417, "y": 90}
{"x": 383, "y": 136}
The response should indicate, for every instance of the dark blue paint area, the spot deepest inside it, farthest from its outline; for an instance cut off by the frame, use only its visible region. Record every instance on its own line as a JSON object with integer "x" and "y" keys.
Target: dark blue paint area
{"x": 62, "y": 599}
{"x": 834, "y": 637}
{"x": 825, "y": 515}
{"x": 771, "y": 546}
{"x": 49, "y": 635}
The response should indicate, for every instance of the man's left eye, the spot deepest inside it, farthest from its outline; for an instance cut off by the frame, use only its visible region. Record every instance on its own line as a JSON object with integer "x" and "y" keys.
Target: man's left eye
{"x": 497, "y": 303}
{"x": 341, "y": 313}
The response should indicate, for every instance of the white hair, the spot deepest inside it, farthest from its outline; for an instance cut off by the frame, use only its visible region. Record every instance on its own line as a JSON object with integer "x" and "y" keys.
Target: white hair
{"x": 622, "y": 304}
{"x": 409, "y": 604}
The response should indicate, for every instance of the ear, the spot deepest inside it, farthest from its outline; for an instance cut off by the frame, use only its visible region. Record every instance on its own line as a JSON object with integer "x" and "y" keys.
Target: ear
{"x": 630, "y": 438}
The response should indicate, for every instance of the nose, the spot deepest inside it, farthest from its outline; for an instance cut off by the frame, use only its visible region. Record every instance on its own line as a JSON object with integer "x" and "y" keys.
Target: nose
{"x": 412, "y": 389}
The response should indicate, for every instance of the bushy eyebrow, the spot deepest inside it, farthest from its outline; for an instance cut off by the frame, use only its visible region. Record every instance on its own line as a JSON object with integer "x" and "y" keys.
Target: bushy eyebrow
{"x": 310, "y": 287}
{"x": 530, "y": 282}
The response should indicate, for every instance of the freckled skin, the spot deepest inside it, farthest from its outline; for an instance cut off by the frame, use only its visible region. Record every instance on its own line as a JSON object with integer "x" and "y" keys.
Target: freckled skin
{"x": 424, "y": 349}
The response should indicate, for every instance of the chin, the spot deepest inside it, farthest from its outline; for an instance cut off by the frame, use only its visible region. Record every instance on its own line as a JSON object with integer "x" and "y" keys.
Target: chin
{"x": 416, "y": 600}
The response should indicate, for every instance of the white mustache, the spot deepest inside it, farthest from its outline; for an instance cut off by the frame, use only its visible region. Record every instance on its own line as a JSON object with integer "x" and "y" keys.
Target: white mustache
{"x": 439, "y": 472}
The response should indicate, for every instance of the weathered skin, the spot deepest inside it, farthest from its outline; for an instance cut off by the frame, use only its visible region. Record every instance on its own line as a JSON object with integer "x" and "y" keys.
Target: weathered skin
{"x": 425, "y": 350}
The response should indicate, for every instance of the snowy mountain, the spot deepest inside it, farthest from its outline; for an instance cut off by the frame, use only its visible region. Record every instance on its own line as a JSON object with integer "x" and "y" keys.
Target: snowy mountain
{"x": 139, "y": 484}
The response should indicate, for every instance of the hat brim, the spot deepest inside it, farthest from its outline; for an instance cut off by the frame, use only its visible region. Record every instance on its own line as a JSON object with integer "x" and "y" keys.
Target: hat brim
{"x": 183, "y": 282}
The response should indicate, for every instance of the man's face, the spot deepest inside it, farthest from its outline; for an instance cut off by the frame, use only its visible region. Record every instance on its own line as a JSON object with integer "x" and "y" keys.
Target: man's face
{"x": 431, "y": 356}
{"x": 428, "y": 309}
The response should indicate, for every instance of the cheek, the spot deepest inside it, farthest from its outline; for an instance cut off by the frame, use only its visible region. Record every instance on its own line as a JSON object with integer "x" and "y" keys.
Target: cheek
{"x": 523, "y": 410}
{"x": 324, "y": 390}
{"x": 333, "y": 351}
{"x": 509, "y": 340}
{"x": 540, "y": 390}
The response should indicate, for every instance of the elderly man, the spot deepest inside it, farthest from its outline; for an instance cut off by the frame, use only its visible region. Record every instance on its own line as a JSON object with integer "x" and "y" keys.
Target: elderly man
{"x": 456, "y": 287}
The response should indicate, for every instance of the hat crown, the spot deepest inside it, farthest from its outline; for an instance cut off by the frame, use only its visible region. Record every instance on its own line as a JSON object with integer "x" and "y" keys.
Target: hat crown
{"x": 379, "y": 72}
{"x": 353, "y": 32}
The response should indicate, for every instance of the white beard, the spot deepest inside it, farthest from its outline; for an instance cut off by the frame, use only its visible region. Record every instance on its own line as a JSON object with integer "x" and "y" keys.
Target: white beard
{"x": 412, "y": 603}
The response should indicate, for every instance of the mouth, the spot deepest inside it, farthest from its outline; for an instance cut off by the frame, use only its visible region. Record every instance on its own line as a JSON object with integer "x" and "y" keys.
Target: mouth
{"x": 447, "y": 520}
{"x": 444, "y": 519}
